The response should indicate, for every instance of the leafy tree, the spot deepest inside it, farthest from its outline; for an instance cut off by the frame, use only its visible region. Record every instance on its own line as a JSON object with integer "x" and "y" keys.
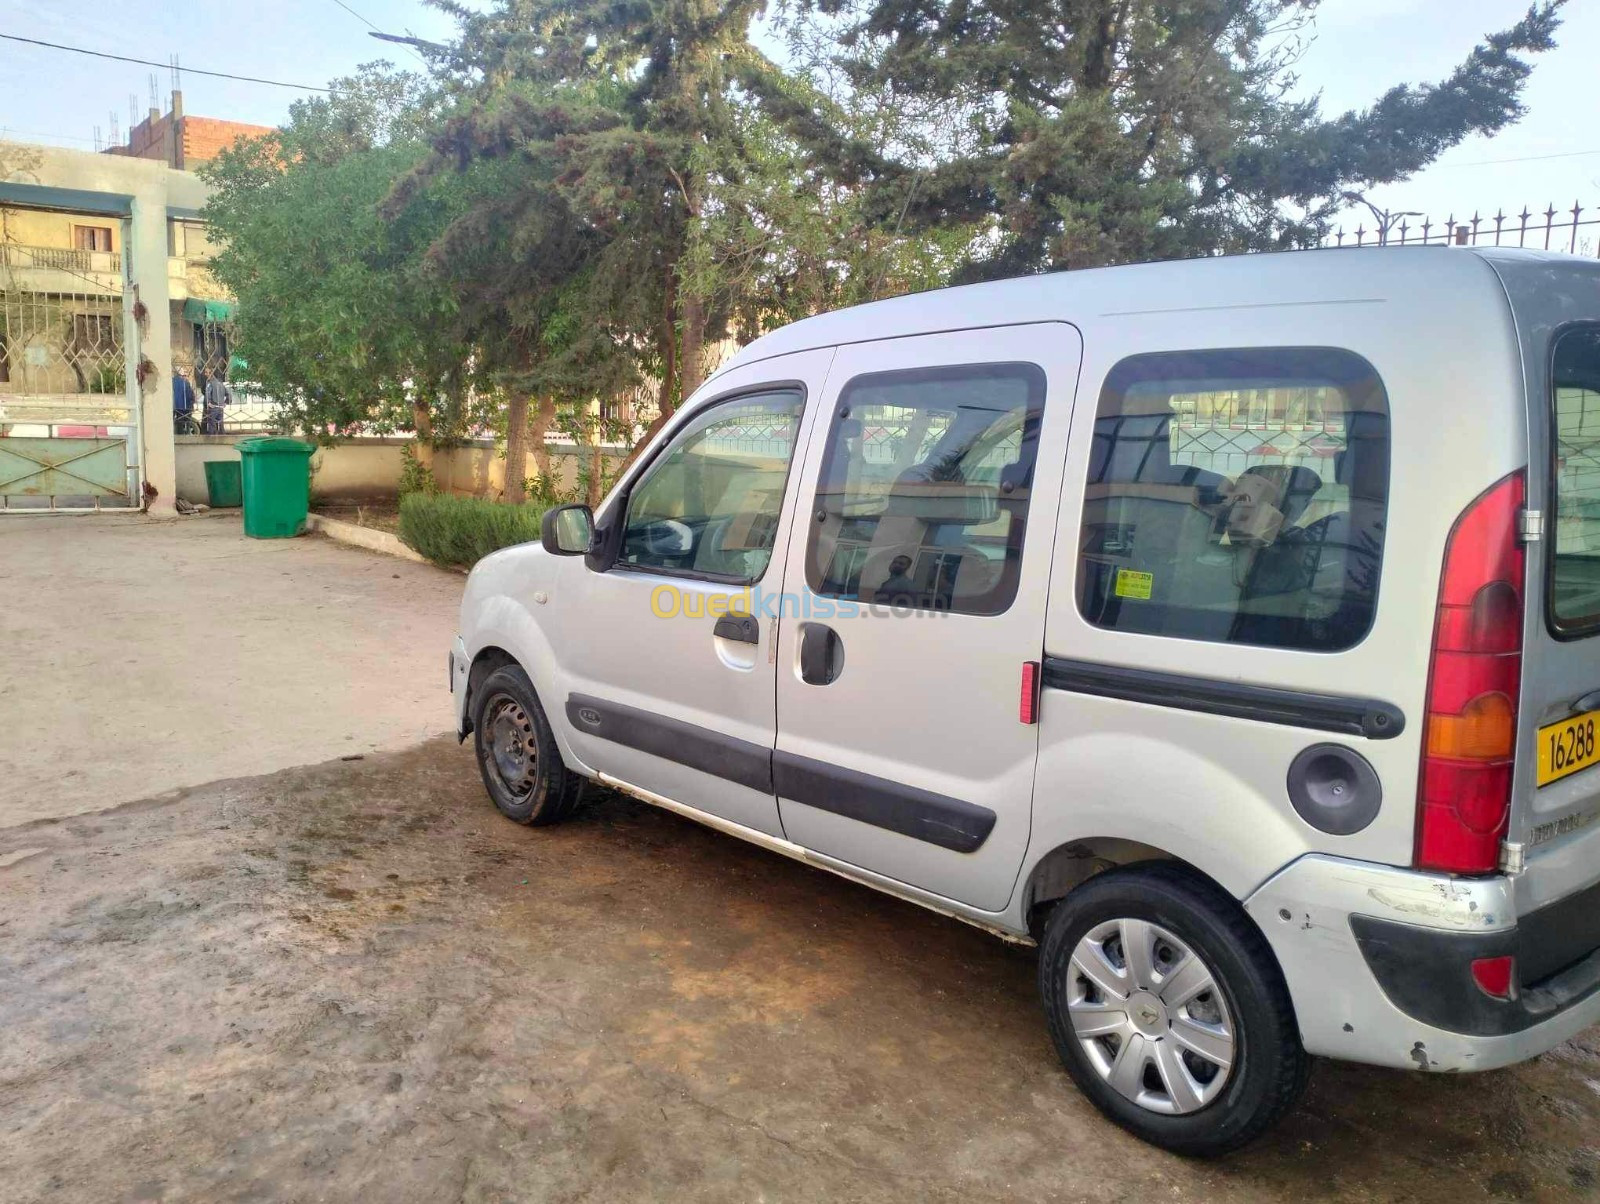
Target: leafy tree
{"x": 519, "y": 263}
{"x": 1102, "y": 131}
{"x": 602, "y": 105}
{"x": 658, "y": 134}
{"x": 792, "y": 233}
{"x": 335, "y": 316}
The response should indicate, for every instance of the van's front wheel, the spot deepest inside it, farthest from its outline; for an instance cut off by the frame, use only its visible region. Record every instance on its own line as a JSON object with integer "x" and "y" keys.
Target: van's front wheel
{"x": 517, "y": 754}
{"x": 1169, "y": 1010}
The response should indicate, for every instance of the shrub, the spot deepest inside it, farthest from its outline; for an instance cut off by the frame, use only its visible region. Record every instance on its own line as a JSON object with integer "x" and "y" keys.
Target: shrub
{"x": 545, "y": 493}
{"x": 415, "y": 476}
{"x": 461, "y": 531}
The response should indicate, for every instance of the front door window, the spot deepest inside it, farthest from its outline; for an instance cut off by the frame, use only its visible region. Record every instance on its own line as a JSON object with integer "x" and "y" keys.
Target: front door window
{"x": 709, "y": 504}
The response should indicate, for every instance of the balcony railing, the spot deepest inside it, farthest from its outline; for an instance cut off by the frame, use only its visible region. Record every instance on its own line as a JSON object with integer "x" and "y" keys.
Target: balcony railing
{"x": 61, "y": 259}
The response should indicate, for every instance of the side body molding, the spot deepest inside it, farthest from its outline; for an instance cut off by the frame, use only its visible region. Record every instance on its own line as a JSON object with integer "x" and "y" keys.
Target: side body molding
{"x": 950, "y": 823}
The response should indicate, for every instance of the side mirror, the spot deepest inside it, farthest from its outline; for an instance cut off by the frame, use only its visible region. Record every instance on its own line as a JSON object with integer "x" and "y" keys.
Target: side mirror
{"x": 567, "y": 530}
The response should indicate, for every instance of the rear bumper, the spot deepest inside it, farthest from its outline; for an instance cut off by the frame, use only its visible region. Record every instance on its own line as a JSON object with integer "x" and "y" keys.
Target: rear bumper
{"x": 1378, "y": 959}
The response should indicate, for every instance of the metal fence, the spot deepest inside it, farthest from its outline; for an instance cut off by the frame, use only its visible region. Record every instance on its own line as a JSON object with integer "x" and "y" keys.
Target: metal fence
{"x": 1553, "y": 228}
{"x": 202, "y": 351}
{"x": 69, "y": 425}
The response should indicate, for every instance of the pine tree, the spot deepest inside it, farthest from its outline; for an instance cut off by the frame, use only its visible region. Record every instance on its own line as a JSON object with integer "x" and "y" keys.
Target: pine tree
{"x": 611, "y": 113}
{"x": 1088, "y": 132}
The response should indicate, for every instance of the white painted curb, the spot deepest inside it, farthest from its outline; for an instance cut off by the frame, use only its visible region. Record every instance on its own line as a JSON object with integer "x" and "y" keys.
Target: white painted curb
{"x": 361, "y": 537}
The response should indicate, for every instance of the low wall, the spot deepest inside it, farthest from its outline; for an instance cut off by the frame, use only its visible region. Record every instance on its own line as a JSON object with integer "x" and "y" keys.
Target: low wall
{"x": 360, "y": 470}
{"x": 369, "y": 469}
{"x": 479, "y": 468}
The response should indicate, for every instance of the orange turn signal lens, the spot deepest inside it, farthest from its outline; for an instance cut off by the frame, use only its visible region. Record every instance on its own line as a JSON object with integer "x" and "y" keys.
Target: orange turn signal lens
{"x": 1485, "y": 730}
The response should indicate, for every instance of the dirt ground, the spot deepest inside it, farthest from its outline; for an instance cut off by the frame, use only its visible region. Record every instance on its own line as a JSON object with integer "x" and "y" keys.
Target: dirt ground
{"x": 145, "y": 656}
{"x": 355, "y": 981}
{"x": 381, "y": 516}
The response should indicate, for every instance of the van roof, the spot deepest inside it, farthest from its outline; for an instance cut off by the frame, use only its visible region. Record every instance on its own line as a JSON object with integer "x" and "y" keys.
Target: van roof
{"x": 1312, "y": 277}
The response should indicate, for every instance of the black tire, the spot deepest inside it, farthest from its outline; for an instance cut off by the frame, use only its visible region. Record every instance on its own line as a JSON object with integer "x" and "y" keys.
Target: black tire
{"x": 508, "y": 725}
{"x": 1268, "y": 1066}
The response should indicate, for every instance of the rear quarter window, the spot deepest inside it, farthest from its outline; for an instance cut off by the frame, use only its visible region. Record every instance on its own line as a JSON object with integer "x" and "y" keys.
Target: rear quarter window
{"x": 1574, "y": 586}
{"x": 1237, "y": 496}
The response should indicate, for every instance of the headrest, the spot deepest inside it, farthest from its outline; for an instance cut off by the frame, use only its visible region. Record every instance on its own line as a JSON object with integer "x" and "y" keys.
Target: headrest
{"x": 1296, "y": 487}
{"x": 955, "y": 503}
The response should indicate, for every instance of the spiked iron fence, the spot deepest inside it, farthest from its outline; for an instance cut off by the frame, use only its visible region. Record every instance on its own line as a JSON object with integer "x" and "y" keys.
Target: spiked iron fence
{"x": 1549, "y": 229}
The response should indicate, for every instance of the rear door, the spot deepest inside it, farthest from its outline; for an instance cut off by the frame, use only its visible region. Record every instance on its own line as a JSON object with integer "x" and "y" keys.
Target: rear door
{"x": 1557, "y": 791}
{"x": 918, "y": 577}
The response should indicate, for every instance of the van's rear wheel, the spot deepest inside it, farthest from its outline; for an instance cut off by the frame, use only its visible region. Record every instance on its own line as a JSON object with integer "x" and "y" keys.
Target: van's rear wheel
{"x": 1169, "y": 1010}
{"x": 517, "y": 754}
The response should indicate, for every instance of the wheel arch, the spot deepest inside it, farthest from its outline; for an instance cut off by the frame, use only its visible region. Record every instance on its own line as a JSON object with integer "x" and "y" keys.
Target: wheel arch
{"x": 1072, "y": 863}
{"x": 488, "y": 660}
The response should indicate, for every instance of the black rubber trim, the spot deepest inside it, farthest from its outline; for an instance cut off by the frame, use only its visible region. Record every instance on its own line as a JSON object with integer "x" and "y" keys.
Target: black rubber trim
{"x": 1293, "y": 708}
{"x": 938, "y": 819}
{"x": 1427, "y": 972}
{"x": 1559, "y": 934}
{"x": 697, "y": 747}
{"x": 742, "y": 629}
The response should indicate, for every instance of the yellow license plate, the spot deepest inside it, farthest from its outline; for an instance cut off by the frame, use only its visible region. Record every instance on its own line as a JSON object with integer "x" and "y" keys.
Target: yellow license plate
{"x": 1568, "y": 746}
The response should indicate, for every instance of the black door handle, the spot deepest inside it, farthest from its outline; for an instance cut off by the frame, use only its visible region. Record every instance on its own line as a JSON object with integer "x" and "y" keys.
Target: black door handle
{"x": 740, "y": 628}
{"x": 821, "y": 654}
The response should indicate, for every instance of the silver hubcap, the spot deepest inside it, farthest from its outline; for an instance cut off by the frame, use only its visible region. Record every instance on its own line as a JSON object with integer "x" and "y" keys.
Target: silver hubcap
{"x": 1150, "y": 1016}
{"x": 513, "y": 753}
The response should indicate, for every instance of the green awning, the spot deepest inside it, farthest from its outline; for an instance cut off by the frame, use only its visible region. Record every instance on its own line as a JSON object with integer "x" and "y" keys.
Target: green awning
{"x": 196, "y": 310}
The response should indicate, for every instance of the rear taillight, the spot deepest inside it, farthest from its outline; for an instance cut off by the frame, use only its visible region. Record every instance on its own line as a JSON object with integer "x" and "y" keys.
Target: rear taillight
{"x": 1469, "y": 732}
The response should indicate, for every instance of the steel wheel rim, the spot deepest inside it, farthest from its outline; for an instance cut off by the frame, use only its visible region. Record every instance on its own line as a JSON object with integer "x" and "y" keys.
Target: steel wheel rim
{"x": 512, "y": 753}
{"x": 1150, "y": 1016}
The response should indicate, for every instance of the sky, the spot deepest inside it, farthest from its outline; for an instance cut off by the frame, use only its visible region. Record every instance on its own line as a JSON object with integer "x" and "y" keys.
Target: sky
{"x": 1361, "y": 47}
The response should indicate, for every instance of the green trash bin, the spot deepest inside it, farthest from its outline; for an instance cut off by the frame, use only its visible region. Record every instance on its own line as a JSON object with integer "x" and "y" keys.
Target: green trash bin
{"x": 223, "y": 487}
{"x": 277, "y": 486}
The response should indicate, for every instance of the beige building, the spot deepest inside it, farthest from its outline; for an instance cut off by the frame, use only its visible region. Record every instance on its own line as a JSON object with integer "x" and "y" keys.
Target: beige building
{"x": 104, "y": 289}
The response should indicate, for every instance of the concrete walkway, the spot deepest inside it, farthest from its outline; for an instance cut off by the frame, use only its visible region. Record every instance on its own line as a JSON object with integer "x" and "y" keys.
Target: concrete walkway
{"x": 144, "y": 656}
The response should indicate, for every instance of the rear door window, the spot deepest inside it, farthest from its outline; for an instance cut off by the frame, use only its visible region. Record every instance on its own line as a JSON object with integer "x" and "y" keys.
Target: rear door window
{"x": 1237, "y": 496}
{"x": 1574, "y": 593}
{"x": 923, "y": 496}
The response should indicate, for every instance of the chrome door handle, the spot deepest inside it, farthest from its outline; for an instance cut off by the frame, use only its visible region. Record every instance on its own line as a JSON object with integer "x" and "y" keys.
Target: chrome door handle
{"x": 1589, "y": 702}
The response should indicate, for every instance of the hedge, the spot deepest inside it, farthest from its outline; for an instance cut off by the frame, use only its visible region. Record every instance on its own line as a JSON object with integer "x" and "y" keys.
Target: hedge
{"x": 461, "y": 531}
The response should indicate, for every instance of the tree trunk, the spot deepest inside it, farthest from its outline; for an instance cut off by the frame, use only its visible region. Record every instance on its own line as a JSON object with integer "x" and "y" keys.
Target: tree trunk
{"x": 543, "y": 416}
{"x": 650, "y": 432}
{"x": 517, "y": 448}
{"x": 691, "y": 371}
{"x": 422, "y": 424}
{"x": 667, "y": 343}
{"x": 596, "y": 477}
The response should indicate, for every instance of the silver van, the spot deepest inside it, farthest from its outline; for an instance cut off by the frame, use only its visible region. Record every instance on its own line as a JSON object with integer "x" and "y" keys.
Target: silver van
{"x": 1225, "y": 627}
